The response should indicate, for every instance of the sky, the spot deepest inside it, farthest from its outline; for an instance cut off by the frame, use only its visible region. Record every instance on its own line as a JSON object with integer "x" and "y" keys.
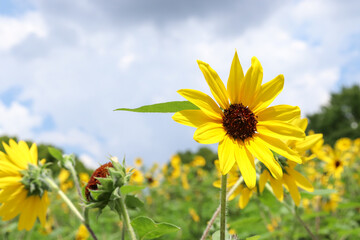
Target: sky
{"x": 66, "y": 65}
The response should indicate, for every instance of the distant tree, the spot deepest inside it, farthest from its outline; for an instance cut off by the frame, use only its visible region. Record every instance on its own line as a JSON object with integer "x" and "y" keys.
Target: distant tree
{"x": 43, "y": 153}
{"x": 339, "y": 118}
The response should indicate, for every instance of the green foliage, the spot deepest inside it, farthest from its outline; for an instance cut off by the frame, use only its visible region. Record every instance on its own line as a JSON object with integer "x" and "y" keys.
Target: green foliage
{"x": 126, "y": 189}
{"x": 146, "y": 228}
{"x": 339, "y": 118}
{"x": 168, "y": 107}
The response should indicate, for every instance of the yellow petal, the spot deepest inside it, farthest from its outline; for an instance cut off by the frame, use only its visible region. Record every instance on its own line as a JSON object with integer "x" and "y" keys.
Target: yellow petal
{"x": 308, "y": 142}
{"x": 226, "y": 151}
{"x": 28, "y": 215}
{"x": 34, "y": 154}
{"x": 216, "y": 85}
{"x": 203, "y": 101}
{"x": 10, "y": 192}
{"x": 13, "y": 154}
{"x": 252, "y": 82}
{"x": 279, "y": 129}
{"x": 261, "y": 152}
{"x": 244, "y": 197}
{"x": 280, "y": 113}
{"x": 264, "y": 176}
{"x": 279, "y": 147}
{"x": 9, "y": 180}
{"x": 300, "y": 180}
{"x": 25, "y": 152}
{"x": 276, "y": 185}
{"x": 7, "y": 168}
{"x": 294, "y": 192}
{"x": 301, "y": 123}
{"x": 43, "y": 205}
{"x": 209, "y": 133}
{"x": 236, "y": 78}
{"x": 267, "y": 93}
{"x": 192, "y": 118}
{"x": 246, "y": 165}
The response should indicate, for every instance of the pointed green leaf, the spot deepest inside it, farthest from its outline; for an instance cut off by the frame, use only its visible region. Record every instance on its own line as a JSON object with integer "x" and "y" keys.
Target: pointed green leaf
{"x": 55, "y": 153}
{"x": 146, "y": 228}
{"x": 167, "y": 107}
{"x": 128, "y": 189}
{"x": 133, "y": 202}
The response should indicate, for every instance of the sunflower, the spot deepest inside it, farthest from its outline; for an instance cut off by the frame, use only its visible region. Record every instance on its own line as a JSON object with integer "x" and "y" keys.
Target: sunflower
{"x": 16, "y": 195}
{"x": 292, "y": 179}
{"x": 243, "y": 124}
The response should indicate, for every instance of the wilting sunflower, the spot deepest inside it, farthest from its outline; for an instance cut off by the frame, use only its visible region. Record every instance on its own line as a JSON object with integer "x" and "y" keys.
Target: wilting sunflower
{"x": 21, "y": 191}
{"x": 245, "y": 127}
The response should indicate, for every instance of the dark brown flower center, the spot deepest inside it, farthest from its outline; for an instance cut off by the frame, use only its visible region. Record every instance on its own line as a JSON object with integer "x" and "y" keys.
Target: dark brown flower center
{"x": 239, "y": 122}
{"x": 101, "y": 172}
{"x": 337, "y": 163}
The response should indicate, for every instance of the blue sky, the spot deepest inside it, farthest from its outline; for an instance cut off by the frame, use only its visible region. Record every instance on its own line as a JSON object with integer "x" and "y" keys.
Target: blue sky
{"x": 65, "y": 65}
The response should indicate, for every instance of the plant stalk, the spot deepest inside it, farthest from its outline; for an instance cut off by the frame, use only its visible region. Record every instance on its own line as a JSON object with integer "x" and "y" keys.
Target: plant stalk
{"x": 216, "y": 213}
{"x": 56, "y": 188}
{"x": 223, "y": 207}
{"x": 295, "y": 213}
{"x": 126, "y": 218}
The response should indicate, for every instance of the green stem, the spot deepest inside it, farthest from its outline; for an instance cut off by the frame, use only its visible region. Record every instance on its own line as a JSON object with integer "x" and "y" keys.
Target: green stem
{"x": 85, "y": 220}
{"x": 216, "y": 213}
{"x": 76, "y": 181}
{"x": 65, "y": 198}
{"x": 295, "y": 213}
{"x": 123, "y": 211}
{"x": 223, "y": 207}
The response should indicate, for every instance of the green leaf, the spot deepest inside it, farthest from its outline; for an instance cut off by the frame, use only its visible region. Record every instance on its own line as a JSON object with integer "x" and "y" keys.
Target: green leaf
{"x": 167, "y": 107}
{"x": 146, "y": 228}
{"x": 128, "y": 189}
{"x": 133, "y": 202}
{"x": 55, "y": 153}
{"x": 318, "y": 192}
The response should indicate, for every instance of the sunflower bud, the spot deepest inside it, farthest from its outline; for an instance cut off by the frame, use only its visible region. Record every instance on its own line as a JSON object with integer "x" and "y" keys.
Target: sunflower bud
{"x": 104, "y": 185}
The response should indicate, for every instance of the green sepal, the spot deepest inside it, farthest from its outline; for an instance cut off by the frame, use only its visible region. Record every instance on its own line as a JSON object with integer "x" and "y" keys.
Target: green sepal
{"x": 167, "y": 107}
{"x": 146, "y": 228}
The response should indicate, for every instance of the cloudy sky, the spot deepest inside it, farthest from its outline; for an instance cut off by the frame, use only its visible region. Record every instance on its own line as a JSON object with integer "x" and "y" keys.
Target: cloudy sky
{"x": 66, "y": 65}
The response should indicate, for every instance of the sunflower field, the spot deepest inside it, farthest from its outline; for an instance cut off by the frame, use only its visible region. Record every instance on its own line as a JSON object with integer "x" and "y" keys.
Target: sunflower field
{"x": 274, "y": 176}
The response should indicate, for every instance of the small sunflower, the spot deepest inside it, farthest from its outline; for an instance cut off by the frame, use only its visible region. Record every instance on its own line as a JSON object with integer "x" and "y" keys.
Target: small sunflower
{"x": 245, "y": 127}
{"x": 21, "y": 191}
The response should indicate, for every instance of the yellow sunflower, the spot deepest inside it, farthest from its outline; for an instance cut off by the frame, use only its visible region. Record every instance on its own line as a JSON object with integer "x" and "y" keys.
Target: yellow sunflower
{"x": 16, "y": 197}
{"x": 292, "y": 179}
{"x": 245, "y": 127}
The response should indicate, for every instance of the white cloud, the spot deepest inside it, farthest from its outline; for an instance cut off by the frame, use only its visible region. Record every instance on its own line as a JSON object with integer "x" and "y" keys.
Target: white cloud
{"x": 89, "y": 161}
{"x": 17, "y": 120}
{"x": 14, "y": 30}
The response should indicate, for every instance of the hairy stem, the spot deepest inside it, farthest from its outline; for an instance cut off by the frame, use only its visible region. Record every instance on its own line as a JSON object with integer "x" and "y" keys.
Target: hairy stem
{"x": 123, "y": 211}
{"x": 223, "y": 207}
{"x": 216, "y": 213}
